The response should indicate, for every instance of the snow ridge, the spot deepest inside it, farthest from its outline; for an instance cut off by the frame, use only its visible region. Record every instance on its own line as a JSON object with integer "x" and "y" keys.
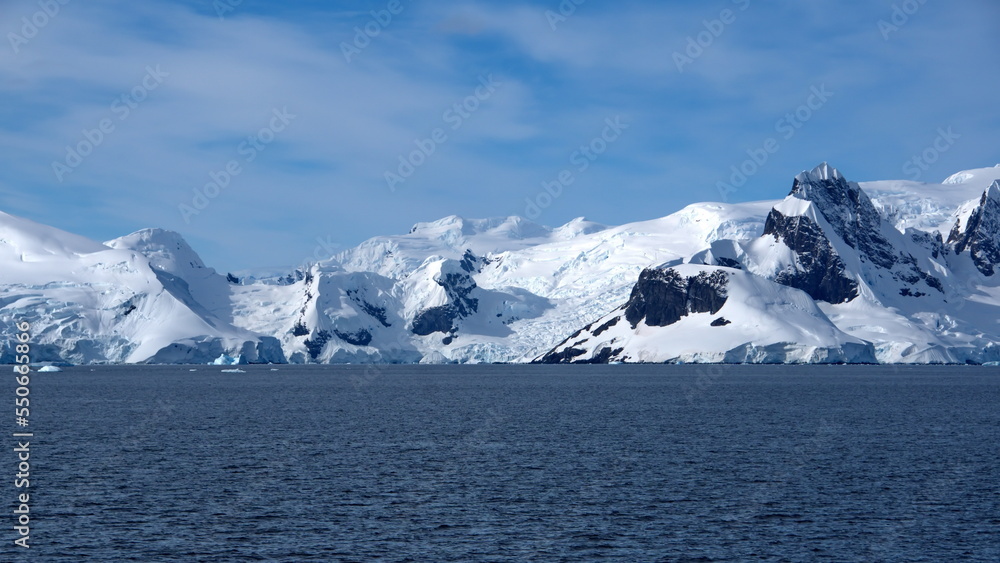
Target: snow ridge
{"x": 837, "y": 271}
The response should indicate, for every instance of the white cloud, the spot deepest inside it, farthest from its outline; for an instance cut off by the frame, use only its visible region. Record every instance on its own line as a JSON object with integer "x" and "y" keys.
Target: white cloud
{"x": 324, "y": 173}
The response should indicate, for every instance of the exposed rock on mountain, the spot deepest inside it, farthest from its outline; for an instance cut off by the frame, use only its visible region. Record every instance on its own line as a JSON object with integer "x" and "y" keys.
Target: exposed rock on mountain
{"x": 819, "y": 270}
{"x": 981, "y": 232}
{"x": 663, "y": 297}
{"x": 695, "y": 313}
{"x": 828, "y": 239}
{"x": 837, "y": 271}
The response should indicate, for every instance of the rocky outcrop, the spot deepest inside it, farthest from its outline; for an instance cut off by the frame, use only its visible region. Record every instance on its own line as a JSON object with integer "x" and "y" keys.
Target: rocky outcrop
{"x": 856, "y": 221}
{"x": 981, "y": 234}
{"x": 374, "y": 311}
{"x": 435, "y": 319}
{"x": 849, "y": 211}
{"x": 663, "y": 297}
{"x": 459, "y": 286}
{"x": 820, "y": 271}
{"x": 471, "y": 263}
{"x": 759, "y": 321}
{"x": 359, "y": 337}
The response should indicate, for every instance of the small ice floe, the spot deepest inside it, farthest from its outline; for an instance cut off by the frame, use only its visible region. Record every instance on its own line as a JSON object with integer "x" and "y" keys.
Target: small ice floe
{"x": 193, "y": 369}
{"x": 274, "y": 369}
{"x": 235, "y": 370}
{"x": 48, "y": 369}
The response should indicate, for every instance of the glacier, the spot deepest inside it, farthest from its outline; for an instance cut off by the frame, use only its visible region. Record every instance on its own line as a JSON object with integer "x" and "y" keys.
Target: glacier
{"x": 834, "y": 272}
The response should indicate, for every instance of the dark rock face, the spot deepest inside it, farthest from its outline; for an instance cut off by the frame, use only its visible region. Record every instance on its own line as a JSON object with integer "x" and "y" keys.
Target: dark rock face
{"x": 129, "y": 306}
{"x": 459, "y": 288}
{"x": 604, "y": 356}
{"x": 851, "y": 214}
{"x": 821, "y": 271}
{"x": 847, "y": 208}
{"x": 297, "y": 276}
{"x": 663, "y": 297}
{"x": 461, "y": 304}
{"x": 981, "y": 236}
{"x": 316, "y": 343}
{"x": 606, "y": 326}
{"x": 564, "y": 357}
{"x": 471, "y": 263}
{"x": 728, "y": 263}
{"x": 569, "y": 355}
{"x": 932, "y": 242}
{"x": 435, "y": 319}
{"x": 377, "y": 313}
{"x": 721, "y": 321}
{"x": 359, "y": 338}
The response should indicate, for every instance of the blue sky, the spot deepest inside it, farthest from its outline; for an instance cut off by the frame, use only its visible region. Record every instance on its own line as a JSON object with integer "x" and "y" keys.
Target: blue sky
{"x": 310, "y": 117}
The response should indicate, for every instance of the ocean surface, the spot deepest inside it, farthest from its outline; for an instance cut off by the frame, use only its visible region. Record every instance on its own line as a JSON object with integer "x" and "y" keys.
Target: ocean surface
{"x": 512, "y": 463}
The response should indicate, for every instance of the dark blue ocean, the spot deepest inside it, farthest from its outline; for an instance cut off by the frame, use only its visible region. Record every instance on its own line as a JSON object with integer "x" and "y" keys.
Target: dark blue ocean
{"x": 508, "y": 463}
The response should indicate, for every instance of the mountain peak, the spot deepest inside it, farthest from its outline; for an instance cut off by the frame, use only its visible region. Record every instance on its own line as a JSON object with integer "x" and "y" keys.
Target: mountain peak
{"x": 822, "y": 172}
{"x": 854, "y": 218}
{"x": 992, "y": 192}
{"x": 981, "y": 234}
{"x": 151, "y": 236}
{"x": 577, "y": 227}
{"x": 982, "y": 177}
{"x": 163, "y": 248}
{"x": 827, "y": 188}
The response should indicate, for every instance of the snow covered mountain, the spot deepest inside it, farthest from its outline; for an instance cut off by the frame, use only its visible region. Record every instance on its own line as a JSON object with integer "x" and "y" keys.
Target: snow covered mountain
{"x": 689, "y": 313}
{"x": 906, "y": 295}
{"x": 837, "y": 271}
{"x": 91, "y": 303}
{"x": 927, "y": 206}
{"x": 459, "y": 290}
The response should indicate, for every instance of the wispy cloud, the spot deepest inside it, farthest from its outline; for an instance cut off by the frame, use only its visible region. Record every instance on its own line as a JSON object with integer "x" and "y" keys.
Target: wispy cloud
{"x": 324, "y": 174}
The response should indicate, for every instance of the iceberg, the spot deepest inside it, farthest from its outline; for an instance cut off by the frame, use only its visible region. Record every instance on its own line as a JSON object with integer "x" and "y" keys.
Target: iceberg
{"x": 224, "y": 360}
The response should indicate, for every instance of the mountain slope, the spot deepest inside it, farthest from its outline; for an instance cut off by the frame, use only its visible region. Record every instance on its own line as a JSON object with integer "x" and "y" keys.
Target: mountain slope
{"x": 928, "y": 207}
{"x": 980, "y": 234}
{"x": 88, "y": 303}
{"x": 171, "y": 256}
{"x": 837, "y": 271}
{"x": 690, "y": 313}
{"x": 896, "y": 291}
